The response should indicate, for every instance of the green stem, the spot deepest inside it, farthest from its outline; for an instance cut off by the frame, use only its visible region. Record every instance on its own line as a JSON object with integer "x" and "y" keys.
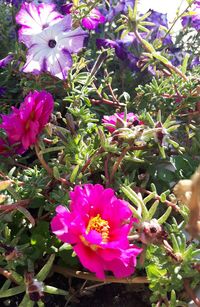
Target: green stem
{"x": 176, "y": 19}
{"x": 168, "y": 64}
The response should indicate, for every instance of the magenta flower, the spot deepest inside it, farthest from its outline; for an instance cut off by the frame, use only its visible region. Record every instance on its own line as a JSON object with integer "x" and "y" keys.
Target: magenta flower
{"x": 97, "y": 226}
{"x": 116, "y": 121}
{"x": 24, "y": 125}
{"x": 93, "y": 20}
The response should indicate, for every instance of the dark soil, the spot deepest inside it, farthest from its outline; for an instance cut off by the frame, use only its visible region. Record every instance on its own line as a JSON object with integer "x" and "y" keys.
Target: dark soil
{"x": 89, "y": 294}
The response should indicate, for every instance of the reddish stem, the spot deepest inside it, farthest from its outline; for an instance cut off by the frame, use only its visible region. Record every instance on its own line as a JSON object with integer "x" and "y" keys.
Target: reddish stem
{"x": 47, "y": 167}
{"x": 7, "y": 275}
{"x": 157, "y": 197}
{"x": 191, "y": 293}
{"x": 105, "y": 101}
{"x": 15, "y": 206}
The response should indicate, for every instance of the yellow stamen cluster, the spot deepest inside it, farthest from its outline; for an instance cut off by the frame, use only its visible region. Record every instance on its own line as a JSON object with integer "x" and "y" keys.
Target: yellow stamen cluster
{"x": 100, "y": 225}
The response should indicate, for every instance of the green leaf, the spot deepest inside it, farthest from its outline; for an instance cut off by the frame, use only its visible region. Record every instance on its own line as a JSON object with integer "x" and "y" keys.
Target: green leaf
{"x": 159, "y": 57}
{"x": 65, "y": 246}
{"x": 55, "y": 291}
{"x": 185, "y": 63}
{"x": 136, "y": 200}
{"x": 162, "y": 151}
{"x": 12, "y": 291}
{"x": 150, "y": 120}
{"x": 163, "y": 197}
{"x": 56, "y": 173}
{"x": 173, "y": 299}
{"x": 74, "y": 174}
{"x": 175, "y": 243}
{"x": 135, "y": 212}
{"x": 149, "y": 197}
{"x": 153, "y": 209}
{"x": 153, "y": 188}
{"x": 149, "y": 47}
{"x": 26, "y": 302}
{"x": 6, "y": 285}
{"x": 165, "y": 216}
{"x": 154, "y": 271}
{"x": 44, "y": 272}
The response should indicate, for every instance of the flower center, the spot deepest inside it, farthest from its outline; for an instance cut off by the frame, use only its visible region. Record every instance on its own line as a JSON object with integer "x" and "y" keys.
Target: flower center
{"x": 52, "y": 43}
{"x": 31, "y": 118}
{"x": 98, "y": 224}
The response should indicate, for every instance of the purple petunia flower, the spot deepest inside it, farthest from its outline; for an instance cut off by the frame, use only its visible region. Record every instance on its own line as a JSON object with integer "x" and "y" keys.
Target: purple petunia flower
{"x": 5, "y": 61}
{"x": 93, "y": 20}
{"x": 53, "y": 42}
{"x": 120, "y": 6}
{"x": 121, "y": 52}
{"x": 194, "y": 20}
{"x": 176, "y": 55}
{"x": 66, "y": 8}
{"x": 195, "y": 61}
{"x": 34, "y": 19}
{"x": 157, "y": 32}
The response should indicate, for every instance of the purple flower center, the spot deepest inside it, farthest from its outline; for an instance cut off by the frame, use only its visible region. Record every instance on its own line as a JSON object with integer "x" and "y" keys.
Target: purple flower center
{"x": 52, "y": 43}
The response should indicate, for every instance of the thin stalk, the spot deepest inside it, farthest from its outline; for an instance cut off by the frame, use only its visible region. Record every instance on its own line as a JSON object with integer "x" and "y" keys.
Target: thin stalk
{"x": 89, "y": 276}
{"x": 168, "y": 65}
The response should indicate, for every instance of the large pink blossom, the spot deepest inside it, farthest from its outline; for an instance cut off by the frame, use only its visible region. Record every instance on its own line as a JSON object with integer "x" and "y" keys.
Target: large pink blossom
{"x": 23, "y": 125}
{"x": 97, "y": 226}
{"x": 116, "y": 121}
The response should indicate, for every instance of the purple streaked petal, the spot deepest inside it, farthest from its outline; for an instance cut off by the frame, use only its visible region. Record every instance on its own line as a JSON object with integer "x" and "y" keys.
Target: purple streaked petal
{"x": 34, "y": 19}
{"x": 73, "y": 40}
{"x": 60, "y": 64}
{"x": 35, "y": 59}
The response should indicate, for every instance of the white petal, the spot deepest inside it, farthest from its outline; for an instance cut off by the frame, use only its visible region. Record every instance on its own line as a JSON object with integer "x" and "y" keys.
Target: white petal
{"x": 72, "y": 40}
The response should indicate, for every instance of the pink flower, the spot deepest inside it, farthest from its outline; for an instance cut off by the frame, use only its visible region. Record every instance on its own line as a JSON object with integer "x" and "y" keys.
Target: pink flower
{"x": 97, "y": 226}
{"x": 116, "y": 121}
{"x": 93, "y": 20}
{"x": 24, "y": 125}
